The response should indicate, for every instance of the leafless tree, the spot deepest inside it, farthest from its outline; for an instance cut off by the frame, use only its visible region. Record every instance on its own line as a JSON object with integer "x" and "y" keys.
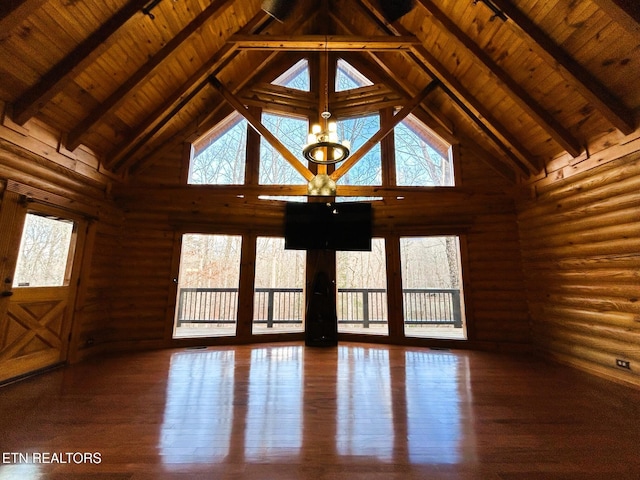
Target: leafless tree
{"x": 292, "y": 132}
{"x": 44, "y": 251}
{"x": 222, "y": 162}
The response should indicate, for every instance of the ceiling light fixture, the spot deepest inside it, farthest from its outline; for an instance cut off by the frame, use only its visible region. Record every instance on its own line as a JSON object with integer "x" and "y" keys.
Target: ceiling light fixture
{"x": 322, "y": 145}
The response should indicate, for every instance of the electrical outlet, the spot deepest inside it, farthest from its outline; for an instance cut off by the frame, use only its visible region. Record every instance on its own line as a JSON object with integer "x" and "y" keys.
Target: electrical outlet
{"x": 623, "y": 363}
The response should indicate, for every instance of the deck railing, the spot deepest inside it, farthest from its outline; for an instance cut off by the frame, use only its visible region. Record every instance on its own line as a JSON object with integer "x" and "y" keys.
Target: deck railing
{"x": 355, "y": 306}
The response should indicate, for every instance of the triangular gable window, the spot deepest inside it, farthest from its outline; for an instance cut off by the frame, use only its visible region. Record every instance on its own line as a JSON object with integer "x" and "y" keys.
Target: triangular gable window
{"x": 296, "y": 77}
{"x": 348, "y": 78}
{"x": 219, "y": 157}
{"x": 422, "y": 158}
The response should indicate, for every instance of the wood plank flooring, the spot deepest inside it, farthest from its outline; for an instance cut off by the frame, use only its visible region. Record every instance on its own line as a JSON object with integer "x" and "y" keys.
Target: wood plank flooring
{"x": 286, "y": 411}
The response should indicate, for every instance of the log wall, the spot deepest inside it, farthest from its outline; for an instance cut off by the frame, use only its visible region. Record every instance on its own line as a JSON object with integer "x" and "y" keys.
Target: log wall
{"x": 127, "y": 294}
{"x": 158, "y": 206}
{"x": 581, "y": 249}
{"x": 33, "y": 162}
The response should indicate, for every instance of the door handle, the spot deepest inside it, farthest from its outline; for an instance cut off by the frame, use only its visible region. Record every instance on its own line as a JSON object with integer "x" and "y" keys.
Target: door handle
{"x": 6, "y": 293}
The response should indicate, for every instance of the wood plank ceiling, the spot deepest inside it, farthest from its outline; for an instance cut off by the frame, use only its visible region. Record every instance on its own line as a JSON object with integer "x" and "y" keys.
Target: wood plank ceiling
{"x": 525, "y": 81}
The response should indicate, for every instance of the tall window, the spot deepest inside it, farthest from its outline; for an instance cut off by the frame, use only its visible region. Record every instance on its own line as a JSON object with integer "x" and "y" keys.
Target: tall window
{"x": 208, "y": 285}
{"x": 431, "y": 287}
{"x": 279, "y": 281}
{"x": 362, "y": 290}
{"x": 219, "y": 158}
{"x": 44, "y": 256}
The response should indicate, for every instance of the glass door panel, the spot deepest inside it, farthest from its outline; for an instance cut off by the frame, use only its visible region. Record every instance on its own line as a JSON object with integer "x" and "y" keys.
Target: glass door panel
{"x": 362, "y": 290}
{"x": 207, "y": 304}
{"x": 432, "y": 287}
{"x": 279, "y": 281}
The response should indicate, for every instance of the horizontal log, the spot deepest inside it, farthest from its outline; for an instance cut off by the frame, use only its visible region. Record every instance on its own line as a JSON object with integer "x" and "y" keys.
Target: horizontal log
{"x": 577, "y": 198}
{"x": 608, "y": 247}
{"x": 605, "y": 306}
{"x": 586, "y": 328}
{"x": 602, "y": 234}
{"x": 618, "y": 214}
{"x": 498, "y": 337}
{"x": 620, "y": 285}
{"x": 21, "y": 169}
{"x": 501, "y": 265}
{"x": 600, "y": 350}
{"x": 554, "y": 214}
{"x": 132, "y": 194}
{"x": 622, "y": 262}
{"x": 321, "y": 43}
{"x": 550, "y": 278}
{"x": 485, "y": 282}
{"x": 579, "y": 312}
{"x": 610, "y": 173}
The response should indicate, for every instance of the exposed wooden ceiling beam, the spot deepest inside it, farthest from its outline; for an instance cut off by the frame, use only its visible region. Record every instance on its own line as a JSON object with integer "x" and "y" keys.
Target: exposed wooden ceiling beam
{"x": 478, "y": 113}
{"x": 54, "y": 81}
{"x": 195, "y": 129}
{"x": 384, "y": 130}
{"x": 279, "y": 98}
{"x": 473, "y": 108}
{"x": 386, "y": 75}
{"x": 323, "y": 42}
{"x": 514, "y": 160}
{"x": 163, "y": 114}
{"x": 74, "y": 138}
{"x": 439, "y": 124}
{"x": 364, "y": 99}
{"x": 135, "y": 145}
{"x": 496, "y": 162}
{"x": 553, "y": 127}
{"x": 624, "y": 12}
{"x": 261, "y": 71}
{"x": 183, "y": 136}
{"x": 582, "y": 80}
{"x": 258, "y": 22}
{"x": 262, "y": 130}
{"x": 146, "y": 129}
{"x": 13, "y": 14}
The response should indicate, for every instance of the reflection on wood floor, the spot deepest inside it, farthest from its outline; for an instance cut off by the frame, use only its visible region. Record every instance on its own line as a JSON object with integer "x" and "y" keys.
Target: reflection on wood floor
{"x": 285, "y": 411}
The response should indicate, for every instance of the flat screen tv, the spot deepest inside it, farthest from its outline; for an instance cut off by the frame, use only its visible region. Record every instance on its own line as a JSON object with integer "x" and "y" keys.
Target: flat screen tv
{"x": 328, "y": 226}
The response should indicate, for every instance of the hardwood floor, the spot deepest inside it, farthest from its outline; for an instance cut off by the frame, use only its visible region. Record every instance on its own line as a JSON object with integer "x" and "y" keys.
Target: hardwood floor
{"x": 285, "y": 411}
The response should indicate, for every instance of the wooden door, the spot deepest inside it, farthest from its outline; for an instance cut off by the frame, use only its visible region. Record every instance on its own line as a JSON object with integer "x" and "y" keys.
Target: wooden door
{"x": 36, "y": 306}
